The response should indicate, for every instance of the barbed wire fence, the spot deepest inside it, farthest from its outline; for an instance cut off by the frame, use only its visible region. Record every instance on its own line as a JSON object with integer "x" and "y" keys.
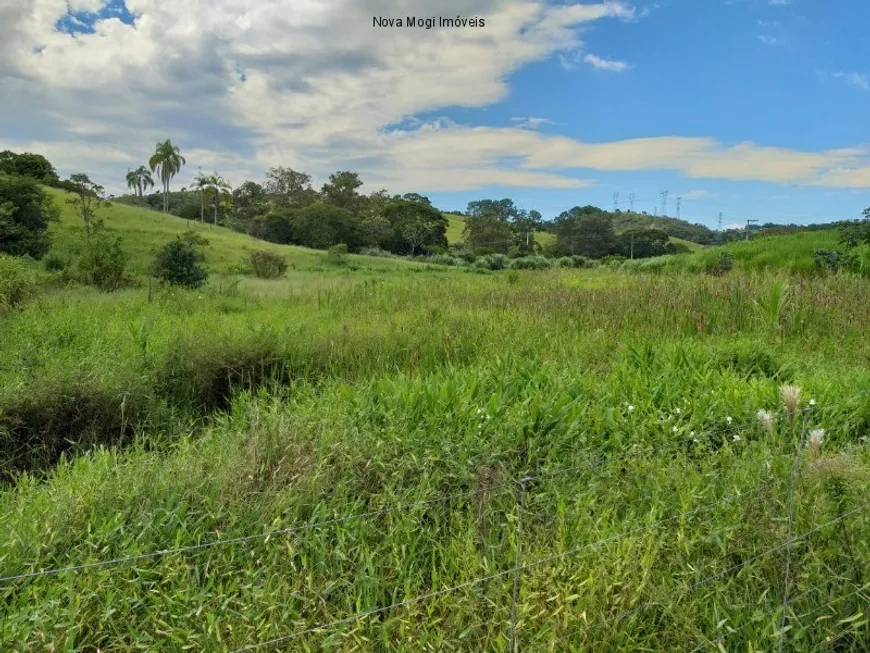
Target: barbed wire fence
{"x": 775, "y": 618}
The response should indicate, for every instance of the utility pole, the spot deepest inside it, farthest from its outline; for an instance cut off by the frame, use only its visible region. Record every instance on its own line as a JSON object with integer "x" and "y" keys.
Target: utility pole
{"x": 748, "y": 222}
{"x": 631, "y": 202}
{"x": 664, "y": 195}
{"x": 615, "y": 202}
{"x": 679, "y": 201}
{"x": 720, "y": 221}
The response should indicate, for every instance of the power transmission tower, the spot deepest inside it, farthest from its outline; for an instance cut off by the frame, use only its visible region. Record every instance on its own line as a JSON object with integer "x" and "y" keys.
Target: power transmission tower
{"x": 720, "y": 221}
{"x": 615, "y": 202}
{"x": 679, "y": 201}
{"x": 665, "y": 203}
{"x": 631, "y": 202}
{"x": 748, "y": 222}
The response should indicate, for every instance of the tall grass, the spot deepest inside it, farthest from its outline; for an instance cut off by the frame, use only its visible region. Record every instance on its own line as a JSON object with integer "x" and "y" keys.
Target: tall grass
{"x": 261, "y": 405}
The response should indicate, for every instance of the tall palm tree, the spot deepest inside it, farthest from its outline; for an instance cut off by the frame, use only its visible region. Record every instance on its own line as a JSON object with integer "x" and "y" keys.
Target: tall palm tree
{"x": 219, "y": 189}
{"x": 139, "y": 179}
{"x": 167, "y": 160}
{"x": 201, "y": 182}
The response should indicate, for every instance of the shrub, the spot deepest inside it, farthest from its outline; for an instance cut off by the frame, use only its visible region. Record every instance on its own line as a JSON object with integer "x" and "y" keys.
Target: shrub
{"x": 531, "y": 263}
{"x": 337, "y": 254}
{"x": 492, "y": 262}
{"x": 724, "y": 263}
{"x": 17, "y": 283}
{"x": 582, "y": 261}
{"x": 376, "y": 251}
{"x": 565, "y": 262}
{"x": 613, "y": 260}
{"x": 442, "y": 259}
{"x": 179, "y": 261}
{"x": 465, "y": 254}
{"x": 267, "y": 265}
{"x": 54, "y": 262}
{"x": 103, "y": 261}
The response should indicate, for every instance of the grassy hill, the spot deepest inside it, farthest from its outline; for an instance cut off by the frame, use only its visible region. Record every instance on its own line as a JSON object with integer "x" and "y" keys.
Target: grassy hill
{"x": 456, "y": 225}
{"x": 694, "y": 247}
{"x": 144, "y": 231}
{"x": 792, "y": 253}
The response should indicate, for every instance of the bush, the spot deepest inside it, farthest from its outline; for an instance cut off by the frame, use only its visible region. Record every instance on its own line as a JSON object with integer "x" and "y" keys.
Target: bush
{"x": 441, "y": 259}
{"x": 582, "y": 261}
{"x": 376, "y": 251}
{"x": 531, "y": 263}
{"x": 724, "y": 263}
{"x": 465, "y": 254}
{"x": 103, "y": 261}
{"x": 54, "y": 262}
{"x": 178, "y": 262}
{"x": 565, "y": 262}
{"x": 492, "y": 262}
{"x": 613, "y": 260}
{"x": 17, "y": 283}
{"x": 337, "y": 254}
{"x": 267, "y": 265}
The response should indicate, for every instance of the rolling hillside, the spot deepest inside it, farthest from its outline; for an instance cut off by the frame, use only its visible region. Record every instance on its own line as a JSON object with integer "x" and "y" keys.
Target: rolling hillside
{"x": 144, "y": 231}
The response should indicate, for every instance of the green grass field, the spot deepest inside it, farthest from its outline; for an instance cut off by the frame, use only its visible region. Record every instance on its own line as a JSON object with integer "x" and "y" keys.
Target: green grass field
{"x": 144, "y": 231}
{"x": 375, "y": 421}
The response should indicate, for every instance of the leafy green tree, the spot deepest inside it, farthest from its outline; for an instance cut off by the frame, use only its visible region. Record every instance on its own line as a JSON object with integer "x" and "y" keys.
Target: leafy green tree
{"x": 643, "y": 243}
{"x": 415, "y": 224}
{"x": 525, "y": 223}
{"x": 322, "y": 225}
{"x": 341, "y": 190}
{"x": 416, "y": 197}
{"x": 249, "y": 201}
{"x": 276, "y": 226}
{"x": 25, "y": 212}
{"x": 88, "y": 198}
{"x": 587, "y": 231}
{"x": 488, "y": 225}
{"x": 28, "y": 164}
{"x": 167, "y": 161}
{"x": 857, "y": 232}
{"x": 376, "y": 231}
{"x": 139, "y": 179}
{"x": 289, "y": 189}
{"x": 179, "y": 262}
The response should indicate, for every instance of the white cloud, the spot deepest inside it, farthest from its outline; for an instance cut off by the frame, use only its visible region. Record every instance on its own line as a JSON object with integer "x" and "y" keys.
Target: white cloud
{"x": 606, "y": 64}
{"x": 696, "y": 194}
{"x": 531, "y": 122}
{"x": 769, "y": 39}
{"x": 325, "y": 90}
{"x": 856, "y": 79}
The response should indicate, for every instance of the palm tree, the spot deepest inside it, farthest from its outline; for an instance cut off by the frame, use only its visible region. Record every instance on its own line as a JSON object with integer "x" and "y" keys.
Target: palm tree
{"x": 168, "y": 160}
{"x": 139, "y": 179}
{"x": 201, "y": 182}
{"x": 219, "y": 189}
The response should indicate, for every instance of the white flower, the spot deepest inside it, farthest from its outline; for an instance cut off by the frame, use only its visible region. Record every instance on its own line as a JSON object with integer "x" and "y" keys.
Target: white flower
{"x": 678, "y": 411}
{"x": 695, "y": 440}
{"x": 675, "y": 429}
{"x": 728, "y": 419}
{"x": 630, "y": 408}
{"x": 691, "y": 433}
{"x": 736, "y": 438}
{"x": 812, "y": 402}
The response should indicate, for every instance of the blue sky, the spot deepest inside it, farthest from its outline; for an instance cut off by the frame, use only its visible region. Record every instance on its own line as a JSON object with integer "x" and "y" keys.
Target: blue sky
{"x": 753, "y": 108}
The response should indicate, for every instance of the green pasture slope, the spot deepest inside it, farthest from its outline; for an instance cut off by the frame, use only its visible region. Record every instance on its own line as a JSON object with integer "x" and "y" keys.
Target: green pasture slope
{"x": 144, "y": 231}
{"x": 217, "y": 469}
